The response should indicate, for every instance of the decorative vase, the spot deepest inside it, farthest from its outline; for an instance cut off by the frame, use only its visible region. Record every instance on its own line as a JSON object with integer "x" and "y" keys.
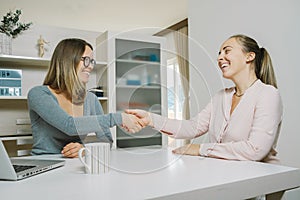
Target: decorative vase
{"x": 5, "y": 44}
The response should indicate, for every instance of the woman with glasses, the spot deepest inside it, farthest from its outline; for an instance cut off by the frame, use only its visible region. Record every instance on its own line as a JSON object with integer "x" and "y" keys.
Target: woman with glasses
{"x": 61, "y": 110}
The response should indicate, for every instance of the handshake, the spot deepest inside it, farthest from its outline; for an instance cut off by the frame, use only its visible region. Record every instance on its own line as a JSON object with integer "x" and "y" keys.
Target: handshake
{"x": 135, "y": 120}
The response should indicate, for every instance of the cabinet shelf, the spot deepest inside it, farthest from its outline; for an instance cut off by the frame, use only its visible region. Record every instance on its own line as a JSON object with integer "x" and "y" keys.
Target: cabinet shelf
{"x": 25, "y": 98}
{"x": 24, "y": 60}
{"x": 13, "y": 98}
{"x": 138, "y": 137}
{"x": 102, "y": 98}
{"x": 146, "y": 133}
{"x": 150, "y": 87}
{"x": 15, "y": 137}
{"x": 101, "y": 64}
{"x": 32, "y": 61}
{"x": 138, "y": 62}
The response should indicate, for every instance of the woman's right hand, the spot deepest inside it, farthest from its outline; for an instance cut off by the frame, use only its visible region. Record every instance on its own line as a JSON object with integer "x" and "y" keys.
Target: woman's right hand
{"x": 143, "y": 115}
{"x": 131, "y": 123}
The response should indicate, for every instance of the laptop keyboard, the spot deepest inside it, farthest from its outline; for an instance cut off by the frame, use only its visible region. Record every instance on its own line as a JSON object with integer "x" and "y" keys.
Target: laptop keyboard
{"x": 19, "y": 168}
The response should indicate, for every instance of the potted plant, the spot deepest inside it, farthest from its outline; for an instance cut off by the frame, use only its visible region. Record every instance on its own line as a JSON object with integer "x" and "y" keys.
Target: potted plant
{"x": 10, "y": 28}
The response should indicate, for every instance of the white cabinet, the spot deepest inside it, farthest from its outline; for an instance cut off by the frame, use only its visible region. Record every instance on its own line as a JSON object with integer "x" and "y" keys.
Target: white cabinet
{"x": 136, "y": 79}
{"x": 15, "y": 127}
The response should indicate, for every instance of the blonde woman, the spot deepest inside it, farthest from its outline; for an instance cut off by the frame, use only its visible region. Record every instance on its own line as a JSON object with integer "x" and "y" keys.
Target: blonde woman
{"x": 61, "y": 110}
{"x": 243, "y": 121}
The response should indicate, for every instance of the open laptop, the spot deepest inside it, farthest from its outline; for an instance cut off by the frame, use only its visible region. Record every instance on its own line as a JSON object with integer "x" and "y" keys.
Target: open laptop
{"x": 17, "y": 168}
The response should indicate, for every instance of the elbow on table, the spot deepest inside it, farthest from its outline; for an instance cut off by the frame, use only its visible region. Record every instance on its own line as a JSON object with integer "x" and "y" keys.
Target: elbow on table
{"x": 256, "y": 153}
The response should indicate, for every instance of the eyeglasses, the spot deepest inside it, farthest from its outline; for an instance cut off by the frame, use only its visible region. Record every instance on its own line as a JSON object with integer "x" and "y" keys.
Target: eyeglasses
{"x": 87, "y": 61}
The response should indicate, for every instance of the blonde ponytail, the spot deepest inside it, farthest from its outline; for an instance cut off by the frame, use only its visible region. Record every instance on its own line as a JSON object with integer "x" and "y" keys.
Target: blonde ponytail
{"x": 266, "y": 72}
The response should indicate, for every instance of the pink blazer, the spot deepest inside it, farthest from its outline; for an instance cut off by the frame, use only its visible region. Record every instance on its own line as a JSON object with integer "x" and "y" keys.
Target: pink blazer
{"x": 249, "y": 133}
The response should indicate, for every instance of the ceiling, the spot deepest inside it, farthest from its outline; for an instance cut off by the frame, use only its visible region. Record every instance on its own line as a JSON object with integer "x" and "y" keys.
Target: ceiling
{"x": 101, "y": 15}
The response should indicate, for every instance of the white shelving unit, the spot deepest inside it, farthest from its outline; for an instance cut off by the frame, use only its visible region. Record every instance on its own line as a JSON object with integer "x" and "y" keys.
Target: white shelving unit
{"x": 14, "y": 108}
{"x": 136, "y": 79}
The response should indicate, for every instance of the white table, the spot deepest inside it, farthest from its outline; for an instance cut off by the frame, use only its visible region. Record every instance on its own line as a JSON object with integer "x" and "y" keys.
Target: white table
{"x": 155, "y": 173}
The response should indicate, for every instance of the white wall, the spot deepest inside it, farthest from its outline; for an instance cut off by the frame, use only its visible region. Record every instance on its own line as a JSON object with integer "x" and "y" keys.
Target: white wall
{"x": 57, "y": 19}
{"x": 26, "y": 43}
{"x": 100, "y": 15}
{"x": 275, "y": 26}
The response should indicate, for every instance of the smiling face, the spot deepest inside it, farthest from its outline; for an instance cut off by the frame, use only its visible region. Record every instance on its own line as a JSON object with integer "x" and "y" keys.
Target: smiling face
{"x": 82, "y": 71}
{"x": 232, "y": 60}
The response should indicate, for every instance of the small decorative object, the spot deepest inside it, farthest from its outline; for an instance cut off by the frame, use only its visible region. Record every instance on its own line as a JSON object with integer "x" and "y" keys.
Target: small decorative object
{"x": 41, "y": 45}
{"x": 10, "y": 28}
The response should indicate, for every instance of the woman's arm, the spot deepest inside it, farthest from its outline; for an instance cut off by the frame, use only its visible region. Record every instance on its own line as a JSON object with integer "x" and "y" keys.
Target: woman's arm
{"x": 181, "y": 129}
{"x": 46, "y": 107}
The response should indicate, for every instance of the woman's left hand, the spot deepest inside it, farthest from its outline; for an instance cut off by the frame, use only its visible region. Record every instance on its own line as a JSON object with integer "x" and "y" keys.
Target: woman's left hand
{"x": 71, "y": 150}
{"x": 189, "y": 149}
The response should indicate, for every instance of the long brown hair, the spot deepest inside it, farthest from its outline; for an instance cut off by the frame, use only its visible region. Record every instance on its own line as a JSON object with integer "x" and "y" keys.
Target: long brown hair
{"x": 62, "y": 74}
{"x": 263, "y": 63}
